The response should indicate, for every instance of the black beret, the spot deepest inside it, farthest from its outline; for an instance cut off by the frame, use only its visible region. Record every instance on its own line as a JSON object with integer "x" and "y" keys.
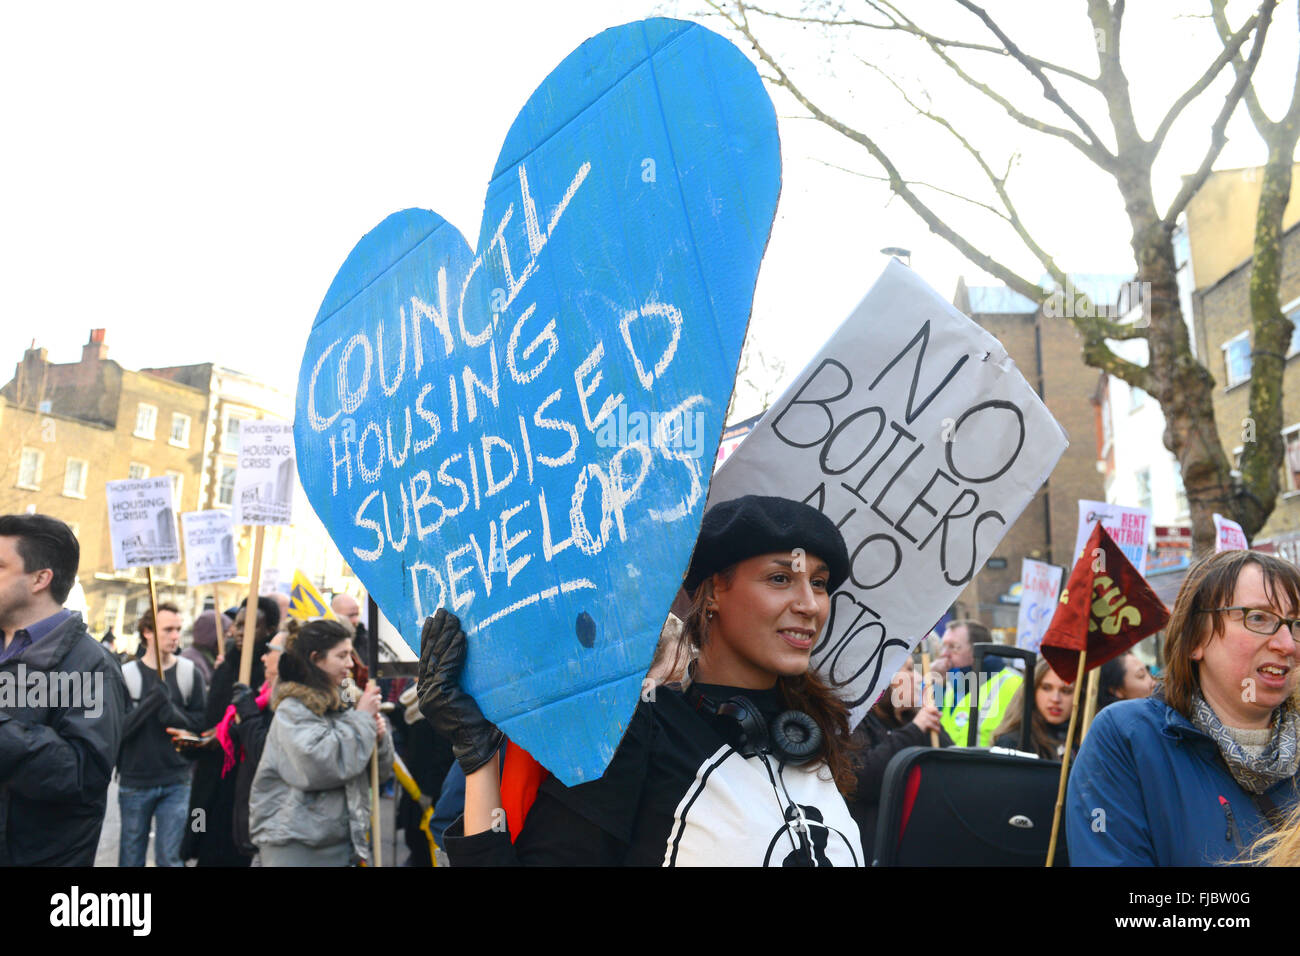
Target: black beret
{"x": 743, "y": 527}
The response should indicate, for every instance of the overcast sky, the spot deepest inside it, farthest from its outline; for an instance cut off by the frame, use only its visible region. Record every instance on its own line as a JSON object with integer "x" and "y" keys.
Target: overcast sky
{"x": 191, "y": 177}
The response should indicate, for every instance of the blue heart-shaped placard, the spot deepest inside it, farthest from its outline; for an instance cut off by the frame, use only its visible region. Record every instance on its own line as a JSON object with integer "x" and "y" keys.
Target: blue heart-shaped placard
{"x": 525, "y": 434}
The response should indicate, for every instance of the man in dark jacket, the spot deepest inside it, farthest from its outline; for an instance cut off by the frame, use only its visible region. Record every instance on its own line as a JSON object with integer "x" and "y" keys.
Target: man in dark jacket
{"x": 61, "y": 703}
{"x": 154, "y": 780}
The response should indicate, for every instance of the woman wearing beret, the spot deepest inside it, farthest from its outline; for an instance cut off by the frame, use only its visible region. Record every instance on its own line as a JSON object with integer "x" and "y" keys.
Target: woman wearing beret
{"x": 740, "y": 764}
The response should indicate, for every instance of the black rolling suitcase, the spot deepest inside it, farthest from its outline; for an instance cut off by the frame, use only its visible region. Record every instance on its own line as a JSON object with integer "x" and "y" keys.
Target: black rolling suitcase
{"x": 967, "y": 806}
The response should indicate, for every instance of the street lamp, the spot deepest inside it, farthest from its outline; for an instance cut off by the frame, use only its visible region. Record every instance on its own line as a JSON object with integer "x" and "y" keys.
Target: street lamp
{"x": 899, "y": 253}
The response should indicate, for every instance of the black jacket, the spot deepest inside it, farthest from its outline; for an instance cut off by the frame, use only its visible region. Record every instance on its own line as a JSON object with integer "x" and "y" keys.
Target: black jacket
{"x": 55, "y": 758}
{"x": 148, "y": 758}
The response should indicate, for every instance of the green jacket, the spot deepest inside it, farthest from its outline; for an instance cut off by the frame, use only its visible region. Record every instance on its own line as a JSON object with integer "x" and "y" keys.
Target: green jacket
{"x": 995, "y": 693}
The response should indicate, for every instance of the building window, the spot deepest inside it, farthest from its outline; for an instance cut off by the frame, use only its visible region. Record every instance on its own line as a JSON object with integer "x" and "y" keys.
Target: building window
{"x": 180, "y": 430}
{"x": 226, "y": 486}
{"x": 1236, "y": 359}
{"x": 1292, "y": 311}
{"x": 1291, "y": 459}
{"x": 178, "y": 484}
{"x": 230, "y": 438}
{"x": 74, "y": 478}
{"x": 1143, "y": 477}
{"x": 137, "y": 470}
{"x": 114, "y": 605}
{"x": 146, "y": 418}
{"x": 45, "y": 407}
{"x": 29, "y": 469}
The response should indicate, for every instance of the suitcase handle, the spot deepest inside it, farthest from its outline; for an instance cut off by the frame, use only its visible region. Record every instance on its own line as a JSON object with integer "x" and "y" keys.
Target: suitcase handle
{"x": 1002, "y": 650}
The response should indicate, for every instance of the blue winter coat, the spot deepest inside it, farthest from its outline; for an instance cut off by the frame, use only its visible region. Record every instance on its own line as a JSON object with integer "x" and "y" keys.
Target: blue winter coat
{"x": 1146, "y": 791}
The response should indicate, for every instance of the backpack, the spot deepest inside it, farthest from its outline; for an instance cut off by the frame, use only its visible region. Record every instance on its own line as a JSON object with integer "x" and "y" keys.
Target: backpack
{"x": 135, "y": 680}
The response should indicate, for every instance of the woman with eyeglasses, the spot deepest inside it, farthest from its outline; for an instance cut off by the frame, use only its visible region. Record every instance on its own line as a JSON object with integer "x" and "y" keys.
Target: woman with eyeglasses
{"x": 1196, "y": 773}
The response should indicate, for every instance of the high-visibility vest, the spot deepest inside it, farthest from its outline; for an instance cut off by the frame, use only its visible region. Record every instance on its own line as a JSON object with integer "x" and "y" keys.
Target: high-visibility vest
{"x": 994, "y": 696}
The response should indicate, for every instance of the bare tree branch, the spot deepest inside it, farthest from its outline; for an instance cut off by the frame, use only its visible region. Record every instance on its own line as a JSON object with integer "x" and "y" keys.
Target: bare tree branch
{"x": 1234, "y": 44}
{"x": 909, "y": 26}
{"x": 1049, "y": 91}
{"x": 1218, "y": 138}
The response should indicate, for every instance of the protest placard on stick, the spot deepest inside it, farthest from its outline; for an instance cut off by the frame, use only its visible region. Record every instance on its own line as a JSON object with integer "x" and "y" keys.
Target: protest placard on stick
{"x": 209, "y": 547}
{"x": 914, "y": 432}
{"x": 522, "y": 432}
{"x": 1126, "y": 526}
{"x": 142, "y": 527}
{"x": 1040, "y": 584}
{"x": 264, "y": 483}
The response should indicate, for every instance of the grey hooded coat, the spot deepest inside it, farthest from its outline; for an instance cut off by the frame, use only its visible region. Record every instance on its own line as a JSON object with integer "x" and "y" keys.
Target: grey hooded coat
{"x": 313, "y": 783}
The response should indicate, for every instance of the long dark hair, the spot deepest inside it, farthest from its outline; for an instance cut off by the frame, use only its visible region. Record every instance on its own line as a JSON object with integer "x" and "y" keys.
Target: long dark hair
{"x": 806, "y": 692}
{"x": 1044, "y": 741}
{"x": 316, "y": 637}
{"x": 1110, "y": 678}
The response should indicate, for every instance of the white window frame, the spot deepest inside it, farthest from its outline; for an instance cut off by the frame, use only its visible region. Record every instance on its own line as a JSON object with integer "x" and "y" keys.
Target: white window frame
{"x": 80, "y": 490}
{"x": 1293, "y": 306}
{"x": 1227, "y": 365}
{"x": 152, "y": 424}
{"x": 178, "y": 487}
{"x": 236, "y": 419}
{"x": 221, "y": 469}
{"x": 137, "y": 466}
{"x": 184, "y": 440}
{"x": 34, "y": 482}
{"x": 1289, "y": 487}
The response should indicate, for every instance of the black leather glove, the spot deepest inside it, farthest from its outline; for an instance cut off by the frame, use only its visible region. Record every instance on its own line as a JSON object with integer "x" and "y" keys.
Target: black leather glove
{"x": 244, "y": 701}
{"x": 450, "y": 711}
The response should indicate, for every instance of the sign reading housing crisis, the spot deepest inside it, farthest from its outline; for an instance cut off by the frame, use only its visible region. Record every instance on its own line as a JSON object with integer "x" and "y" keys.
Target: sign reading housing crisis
{"x": 523, "y": 432}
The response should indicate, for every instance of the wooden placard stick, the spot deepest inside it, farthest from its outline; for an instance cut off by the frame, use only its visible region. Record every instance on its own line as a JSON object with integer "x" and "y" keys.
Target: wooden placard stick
{"x": 928, "y": 692}
{"x": 153, "y": 608}
{"x": 375, "y": 840}
{"x": 250, "y": 609}
{"x": 1090, "y": 703}
{"x": 1065, "y": 758}
{"x": 216, "y": 623}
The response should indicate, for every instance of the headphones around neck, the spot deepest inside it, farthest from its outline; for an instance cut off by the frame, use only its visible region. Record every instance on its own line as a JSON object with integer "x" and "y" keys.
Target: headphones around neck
{"x": 792, "y": 737}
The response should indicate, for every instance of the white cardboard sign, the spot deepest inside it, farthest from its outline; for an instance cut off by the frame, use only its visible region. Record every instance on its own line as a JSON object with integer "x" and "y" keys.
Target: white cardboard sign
{"x": 1126, "y": 526}
{"x": 209, "y": 546}
{"x": 1040, "y": 586}
{"x": 266, "y": 474}
{"x": 142, "y": 522}
{"x": 1228, "y": 535}
{"x": 915, "y": 433}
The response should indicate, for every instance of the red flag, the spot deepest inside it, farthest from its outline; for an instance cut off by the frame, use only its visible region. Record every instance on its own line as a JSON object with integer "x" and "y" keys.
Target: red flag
{"x": 1106, "y": 604}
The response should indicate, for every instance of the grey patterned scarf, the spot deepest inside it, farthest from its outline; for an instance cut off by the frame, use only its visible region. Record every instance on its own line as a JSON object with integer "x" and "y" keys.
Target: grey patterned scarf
{"x": 1279, "y": 761}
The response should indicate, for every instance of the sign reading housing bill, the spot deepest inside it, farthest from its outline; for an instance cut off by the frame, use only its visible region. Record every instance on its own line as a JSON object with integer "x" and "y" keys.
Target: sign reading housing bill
{"x": 265, "y": 476}
{"x": 209, "y": 546}
{"x": 142, "y": 522}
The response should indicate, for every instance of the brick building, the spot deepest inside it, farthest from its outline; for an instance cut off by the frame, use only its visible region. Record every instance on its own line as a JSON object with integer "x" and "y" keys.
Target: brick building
{"x": 1223, "y": 313}
{"x": 68, "y": 428}
{"x": 1048, "y": 353}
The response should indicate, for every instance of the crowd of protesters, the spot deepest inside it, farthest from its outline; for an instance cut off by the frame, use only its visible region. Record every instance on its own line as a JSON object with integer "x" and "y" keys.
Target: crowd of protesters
{"x": 1196, "y": 765}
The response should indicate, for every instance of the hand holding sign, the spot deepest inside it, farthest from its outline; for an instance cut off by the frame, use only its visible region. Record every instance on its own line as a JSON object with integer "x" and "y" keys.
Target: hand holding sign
{"x": 521, "y": 433}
